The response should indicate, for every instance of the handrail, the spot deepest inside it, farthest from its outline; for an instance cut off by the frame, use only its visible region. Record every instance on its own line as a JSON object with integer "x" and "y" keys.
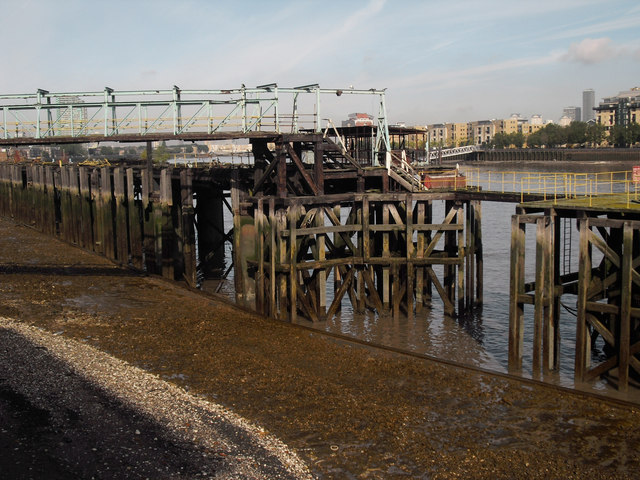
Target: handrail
{"x": 402, "y": 164}
{"x": 45, "y": 115}
{"x": 554, "y": 185}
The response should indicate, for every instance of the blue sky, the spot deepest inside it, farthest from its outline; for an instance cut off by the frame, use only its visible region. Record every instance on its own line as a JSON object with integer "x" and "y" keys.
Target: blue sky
{"x": 440, "y": 61}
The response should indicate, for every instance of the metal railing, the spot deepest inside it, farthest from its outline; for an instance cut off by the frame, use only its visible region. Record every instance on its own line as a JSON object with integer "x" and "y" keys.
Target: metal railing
{"x": 556, "y": 186}
{"x": 111, "y": 113}
{"x": 451, "y": 152}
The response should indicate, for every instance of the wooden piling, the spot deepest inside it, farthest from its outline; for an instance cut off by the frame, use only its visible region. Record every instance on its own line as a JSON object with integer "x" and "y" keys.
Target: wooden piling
{"x": 75, "y": 201}
{"x": 106, "y": 207}
{"x": 410, "y": 256}
{"x": 135, "y": 214}
{"x": 516, "y": 290}
{"x": 321, "y": 277}
{"x": 273, "y": 258}
{"x": 165, "y": 231}
{"x": 97, "y": 204}
{"x": 150, "y": 196}
{"x": 86, "y": 207}
{"x": 625, "y": 356}
{"x": 419, "y": 254}
{"x": 461, "y": 252}
{"x": 188, "y": 227}
{"x": 540, "y": 297}
{"x": 120, "y": 221}
{"x": 293, "y": 270}
{"x": 583, "y": 344}
{"x": 237, "y": 257}
{"x": 259, "y": 225}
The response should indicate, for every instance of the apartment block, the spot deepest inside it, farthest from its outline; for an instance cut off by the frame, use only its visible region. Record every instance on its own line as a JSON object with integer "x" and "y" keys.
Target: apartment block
{"x": 482, "y": 131}
{"x": 622, "y": 109}
{"x": 437, "y": 134}
{"x": 508, "y": 126}
{"x": 459, "y": 133}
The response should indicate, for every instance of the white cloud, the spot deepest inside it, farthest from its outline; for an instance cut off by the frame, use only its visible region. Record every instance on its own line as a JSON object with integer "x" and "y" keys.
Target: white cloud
{"x": 592, "y": 50}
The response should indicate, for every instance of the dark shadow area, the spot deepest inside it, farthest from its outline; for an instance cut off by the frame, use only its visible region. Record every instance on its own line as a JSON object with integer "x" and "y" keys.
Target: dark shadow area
{"x": 55, "y": 424}
{"x": 43, "y": 269}
{"x": 82, "y": 431}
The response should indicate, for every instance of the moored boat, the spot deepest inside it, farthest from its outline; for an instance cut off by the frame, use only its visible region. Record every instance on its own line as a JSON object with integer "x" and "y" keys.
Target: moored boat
{"x": 442, "y": 177}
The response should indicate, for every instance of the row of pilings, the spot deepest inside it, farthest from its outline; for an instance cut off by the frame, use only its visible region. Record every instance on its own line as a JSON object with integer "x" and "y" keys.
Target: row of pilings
{"x": 293, "y": 257}
{"x": 386, "y": 253}
{"x": 555, "y": 155}
{"x": 137, "y": 217}
{"x": 605, "y": 282}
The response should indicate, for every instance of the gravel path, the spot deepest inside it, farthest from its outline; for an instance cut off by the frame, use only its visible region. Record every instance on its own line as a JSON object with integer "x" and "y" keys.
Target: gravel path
{"x": 71, "y": 411}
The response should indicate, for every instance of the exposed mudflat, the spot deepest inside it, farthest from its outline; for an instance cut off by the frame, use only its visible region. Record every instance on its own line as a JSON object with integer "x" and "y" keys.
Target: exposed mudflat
{"x": 348, "y": 411}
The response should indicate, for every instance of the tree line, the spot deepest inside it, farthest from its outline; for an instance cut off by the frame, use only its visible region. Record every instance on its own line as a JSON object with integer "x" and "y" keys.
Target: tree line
{"x": 577, "y": 134}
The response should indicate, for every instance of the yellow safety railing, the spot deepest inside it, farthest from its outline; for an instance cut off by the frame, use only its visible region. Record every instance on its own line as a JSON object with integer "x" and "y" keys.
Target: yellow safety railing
{"x": 554, "y": 185}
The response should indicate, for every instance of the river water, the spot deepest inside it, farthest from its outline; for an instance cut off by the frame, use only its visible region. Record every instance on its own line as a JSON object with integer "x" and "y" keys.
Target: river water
{"x": 480, "y": 339}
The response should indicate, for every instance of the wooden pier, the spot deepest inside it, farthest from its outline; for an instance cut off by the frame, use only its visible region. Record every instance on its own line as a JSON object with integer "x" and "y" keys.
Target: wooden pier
{"x": 315, "y": 221}
{"x": 606, "y": 284}
{"x": 320, "y": 220}
{"x": 383, "y": 252}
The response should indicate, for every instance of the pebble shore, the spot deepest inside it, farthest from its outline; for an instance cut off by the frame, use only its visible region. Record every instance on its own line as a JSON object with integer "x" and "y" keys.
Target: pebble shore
{"x": 108, "y": 419}
{"x": 347, "y": 410}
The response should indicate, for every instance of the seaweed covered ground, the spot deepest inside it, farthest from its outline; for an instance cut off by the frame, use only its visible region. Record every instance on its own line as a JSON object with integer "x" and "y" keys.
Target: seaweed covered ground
{"x": 347, "y": 410}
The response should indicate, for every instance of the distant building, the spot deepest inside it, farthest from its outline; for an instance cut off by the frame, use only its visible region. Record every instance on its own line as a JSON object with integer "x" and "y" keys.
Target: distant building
{"x": 72, "y": 118}
{"x": 565, "y": 121}
{"x": 358, "y": 120}
{"x": 588, "y": 103}
{"x": 481, "y": 131}
{"x": 622, "y": 109}
{"x": 523, "y": 124}
{"x": 458, "y": 134}
{"x": 574, "y": 113}
{"x": 437, "y": 134}
{"x": 536, "y": 120}
{"x": 507, "y": 126}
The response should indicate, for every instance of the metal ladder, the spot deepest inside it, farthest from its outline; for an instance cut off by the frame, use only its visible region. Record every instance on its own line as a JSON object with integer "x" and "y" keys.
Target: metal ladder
{"x": 567, "y": 232}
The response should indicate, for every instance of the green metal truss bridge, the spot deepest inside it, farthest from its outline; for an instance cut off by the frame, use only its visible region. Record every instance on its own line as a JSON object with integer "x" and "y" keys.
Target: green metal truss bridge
{"x": 149, "y": 115}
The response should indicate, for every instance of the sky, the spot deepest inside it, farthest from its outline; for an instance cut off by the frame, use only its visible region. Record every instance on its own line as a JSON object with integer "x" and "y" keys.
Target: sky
{"x": 440, "y": 61}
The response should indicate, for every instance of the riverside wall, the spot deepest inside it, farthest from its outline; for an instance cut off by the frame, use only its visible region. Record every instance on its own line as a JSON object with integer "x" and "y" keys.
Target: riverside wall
{"x": 557, "y": 154}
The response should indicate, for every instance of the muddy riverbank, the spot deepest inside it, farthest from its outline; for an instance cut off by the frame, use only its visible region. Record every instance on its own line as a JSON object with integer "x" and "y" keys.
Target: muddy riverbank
{"x": 348, "y": 411}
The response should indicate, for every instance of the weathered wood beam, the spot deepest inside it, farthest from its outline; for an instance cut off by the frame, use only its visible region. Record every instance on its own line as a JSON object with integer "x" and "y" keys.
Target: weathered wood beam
{"x": 337, "y": 299}
{"x": 258, "y": 185}
{"x": 303, "y": 171}
{"x": 516, "y": 284}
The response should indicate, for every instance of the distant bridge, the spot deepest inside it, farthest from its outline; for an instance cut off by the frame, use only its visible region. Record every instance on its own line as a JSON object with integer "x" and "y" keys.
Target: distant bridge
{"x": 149, "y": 115}
{"x": 451, "y": 152}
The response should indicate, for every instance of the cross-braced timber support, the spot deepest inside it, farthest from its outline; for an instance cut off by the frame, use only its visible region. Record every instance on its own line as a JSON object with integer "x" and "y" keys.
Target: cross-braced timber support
{"x": 303, "y": 256}
{"x": 607, "y": 286}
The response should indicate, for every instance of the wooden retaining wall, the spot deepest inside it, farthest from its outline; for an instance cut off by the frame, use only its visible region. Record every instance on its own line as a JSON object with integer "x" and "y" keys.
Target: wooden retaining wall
{"x": 132, "y": 216}
{"x": 557, "y": 154}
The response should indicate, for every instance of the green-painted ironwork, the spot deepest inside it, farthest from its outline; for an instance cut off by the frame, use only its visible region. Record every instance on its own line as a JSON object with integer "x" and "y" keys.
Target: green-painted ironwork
{"x": 115, "y": 114}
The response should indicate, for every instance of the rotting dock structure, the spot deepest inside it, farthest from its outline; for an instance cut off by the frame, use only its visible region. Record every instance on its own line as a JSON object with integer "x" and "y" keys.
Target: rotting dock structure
{"x": 606, "y": 285}
{"x": 324, "y": 214}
